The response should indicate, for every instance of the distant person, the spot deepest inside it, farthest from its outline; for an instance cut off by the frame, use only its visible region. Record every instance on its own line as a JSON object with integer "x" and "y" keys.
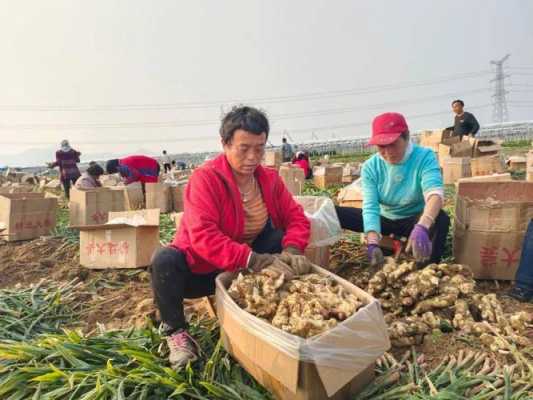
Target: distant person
{"x": 132, "y": 169}
{"x": 167, "y": 163}
{"x": 67, "y": 160}
{"x": 301, "y": 161}
{"x": 286, "y": 151}
{"x": 90, "y": 179}
{"x": 465, "y": 123}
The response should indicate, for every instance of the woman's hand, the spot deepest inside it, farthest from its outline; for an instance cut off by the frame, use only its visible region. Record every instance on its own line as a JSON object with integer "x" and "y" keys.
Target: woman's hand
{"x": 420, "y": 243}
{"x": 375, "y": 255}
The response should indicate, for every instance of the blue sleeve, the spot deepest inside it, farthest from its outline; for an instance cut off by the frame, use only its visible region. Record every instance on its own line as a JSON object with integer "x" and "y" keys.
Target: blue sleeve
{"x": 431, "y": 176}
{"x": 371, "y": 210}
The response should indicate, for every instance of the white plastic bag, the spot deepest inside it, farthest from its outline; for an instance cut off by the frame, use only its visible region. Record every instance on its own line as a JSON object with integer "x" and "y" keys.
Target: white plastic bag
{"x": 325, "y": 225}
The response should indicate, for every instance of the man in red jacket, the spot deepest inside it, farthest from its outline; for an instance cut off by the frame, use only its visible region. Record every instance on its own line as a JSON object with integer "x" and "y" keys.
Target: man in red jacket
{"x": 237, "y": 215}
{"x": 135, "y": 169}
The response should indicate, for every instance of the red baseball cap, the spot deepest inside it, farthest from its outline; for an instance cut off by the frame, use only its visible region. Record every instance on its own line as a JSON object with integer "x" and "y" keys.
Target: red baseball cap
{"x": 387, "y": 128}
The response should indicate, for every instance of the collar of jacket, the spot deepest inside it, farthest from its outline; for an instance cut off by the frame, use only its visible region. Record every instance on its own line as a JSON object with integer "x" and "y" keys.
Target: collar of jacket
{"x": 221, "y": 166}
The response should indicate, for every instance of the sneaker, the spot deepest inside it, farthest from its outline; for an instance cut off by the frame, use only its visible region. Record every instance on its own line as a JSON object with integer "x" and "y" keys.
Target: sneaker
{"x": 521, "y": 294}
{"x": 183, "y": 349}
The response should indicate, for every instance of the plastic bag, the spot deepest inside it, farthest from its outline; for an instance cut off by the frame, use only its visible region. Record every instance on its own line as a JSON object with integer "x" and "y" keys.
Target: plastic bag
{"x": 325, "y": 225}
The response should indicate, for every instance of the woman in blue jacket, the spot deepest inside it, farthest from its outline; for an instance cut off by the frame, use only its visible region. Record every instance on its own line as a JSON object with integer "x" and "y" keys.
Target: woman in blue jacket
{"x": 403, "y": 194}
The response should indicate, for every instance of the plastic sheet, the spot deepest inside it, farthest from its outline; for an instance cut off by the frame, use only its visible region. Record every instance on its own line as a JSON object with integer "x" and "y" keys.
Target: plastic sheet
{"x": 325, "y": 226}
{"x": 357, "y": 341}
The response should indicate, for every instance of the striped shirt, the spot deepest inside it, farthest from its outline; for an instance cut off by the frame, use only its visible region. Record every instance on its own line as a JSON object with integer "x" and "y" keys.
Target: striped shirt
{"x": 255, "y": 215}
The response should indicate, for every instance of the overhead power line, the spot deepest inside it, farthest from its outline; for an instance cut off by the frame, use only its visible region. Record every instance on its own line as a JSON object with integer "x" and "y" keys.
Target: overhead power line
{"x": 197, "y": 138}
{"x": 257, "y": 100}
{"x": 193, "y": 123}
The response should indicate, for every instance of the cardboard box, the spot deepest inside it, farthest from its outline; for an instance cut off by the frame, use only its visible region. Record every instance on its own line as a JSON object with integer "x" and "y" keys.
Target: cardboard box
{"x": 25, "y": 216}
{"x": 459, "y": 149}
{"x": 294, "y": 178}
{"x": 158, "y": 195}
{"x": 486, "y": 165}
{"x": 282, "y": 362}
{"x": 327, "y": 175}
{"x": 517, "y": 163}
{"x": 177, "y": 193}
{"x": 133, "y": 196}
{"x": 273, "y": 158}
{"x": 489, "y": 255}
{"x": 91, "y": 207}
{"x": 490, "y": 223}
{"x": 485, "y": 147}
{"x": 351, "y": 196}
{"x": 128, "y": 240}
{"x": 454, "y": 169}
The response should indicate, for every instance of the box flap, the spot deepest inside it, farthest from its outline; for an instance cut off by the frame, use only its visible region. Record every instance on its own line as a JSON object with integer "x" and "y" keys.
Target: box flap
{"x": 148, "y": 217}
{"x": 125, "y": 219}
{"x": 515, "y": 191}
{"x": 18, "y": 196}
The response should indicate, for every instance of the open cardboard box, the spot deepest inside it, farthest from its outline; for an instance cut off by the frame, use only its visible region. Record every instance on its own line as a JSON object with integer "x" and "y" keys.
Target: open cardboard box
{"x": 336, "y": 364}
{"x": 127, "y": 240}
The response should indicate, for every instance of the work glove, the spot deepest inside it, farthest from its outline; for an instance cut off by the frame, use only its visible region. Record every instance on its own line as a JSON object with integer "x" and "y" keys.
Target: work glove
{"x": 300, "y": 264}
{"x": 375, "y": 255}
{"x": 282, "y": 268}
{"x": 259, "y": 262}
{"x": 420, "y": 243}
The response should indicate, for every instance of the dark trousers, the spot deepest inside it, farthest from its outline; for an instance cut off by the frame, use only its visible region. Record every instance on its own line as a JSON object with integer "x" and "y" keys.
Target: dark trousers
{"x": 524, "y": 274}
{"x": 67, "y": 184}
{"x": 352, "y": 219}
{"x": 167, "y": 167}
{"x": 173, "y": 281}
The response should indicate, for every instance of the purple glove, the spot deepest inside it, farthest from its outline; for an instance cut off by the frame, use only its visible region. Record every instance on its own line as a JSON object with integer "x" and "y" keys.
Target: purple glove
{"x": 375, "y": 255}
{"x": 420, "y": 243}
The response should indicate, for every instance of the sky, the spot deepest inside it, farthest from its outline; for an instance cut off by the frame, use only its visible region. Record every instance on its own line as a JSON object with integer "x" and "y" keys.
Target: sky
{"x": 131, "y": 76}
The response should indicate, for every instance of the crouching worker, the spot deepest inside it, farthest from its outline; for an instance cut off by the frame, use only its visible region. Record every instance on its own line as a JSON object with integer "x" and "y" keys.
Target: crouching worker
{"x": 403, "y": 194}
{"x": 90, "y": 179}
{"x": 237, "y": 216}
{"x": 135, "y": 169}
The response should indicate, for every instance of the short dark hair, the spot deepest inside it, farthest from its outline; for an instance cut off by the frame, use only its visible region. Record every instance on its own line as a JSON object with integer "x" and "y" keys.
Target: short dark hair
{"x": 249, "y": 119}
{"x": 164, "y": 152}
{"x": 95, "y": 170}
{"x": 405, "y": 135}
{"x": 112, "y": 166}
{"x": 284, "y": 140}
{"x": 461, "y": 102}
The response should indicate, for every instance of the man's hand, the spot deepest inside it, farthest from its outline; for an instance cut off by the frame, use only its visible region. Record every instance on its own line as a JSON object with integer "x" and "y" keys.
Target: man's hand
{"x": 259, "y": 262}
{"x": 375, "y": 255}
{"x": 420, "y": 243}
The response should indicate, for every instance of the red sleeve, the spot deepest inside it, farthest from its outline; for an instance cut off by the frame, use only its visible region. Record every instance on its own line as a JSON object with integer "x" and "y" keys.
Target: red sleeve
{"x": 297, "y": 226}
{"x": 201, "y": 219}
